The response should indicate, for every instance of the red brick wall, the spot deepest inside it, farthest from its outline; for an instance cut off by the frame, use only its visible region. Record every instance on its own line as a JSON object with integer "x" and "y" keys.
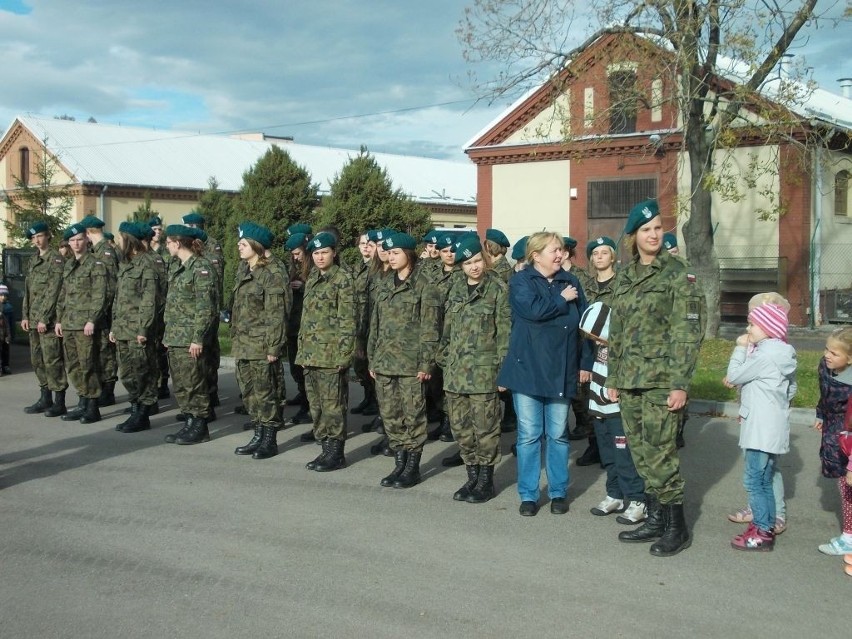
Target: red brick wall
{"x": 484, "y": 198}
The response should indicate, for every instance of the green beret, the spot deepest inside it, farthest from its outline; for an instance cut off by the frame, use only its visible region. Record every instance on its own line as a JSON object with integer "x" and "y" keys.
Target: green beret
{"x": 322, "y": 240}
{"x": 400, "y": 241}
{"x": 296, "y": 240}
{"x": 431, "y": 237}
{"x": 601, "y": 241}
{"x": 467, "y": 247}
{"x": 199, "y": 234}
{"x": 379, "y": 235}
{"x": 91, "y": 222}
{"x": 155, "y": 221}
{"x": 498, "y": 237}
{"x": 74, "y": 229}
{"x": 569, "y": 242}
{"x": 519, "y": 251}
{"x": 180, "y": 229}
{"x": 669, "y": 241}
{"x": 35, "y": 229}
{"x": 446, "y": 240}
{"x": 193, "y": 217}
{"x": 641, "y": 214}
{"x": 109, "y": 236}
{"x": 299, "y": 227}
{"x": 256, "y": 232}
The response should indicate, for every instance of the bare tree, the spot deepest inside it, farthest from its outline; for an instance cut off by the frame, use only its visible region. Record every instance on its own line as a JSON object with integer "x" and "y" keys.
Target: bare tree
{"x": 530, "y": 41}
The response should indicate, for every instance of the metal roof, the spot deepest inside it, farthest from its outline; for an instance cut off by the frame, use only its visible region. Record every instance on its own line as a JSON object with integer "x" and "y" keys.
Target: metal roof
{"x": 123, "y": 155}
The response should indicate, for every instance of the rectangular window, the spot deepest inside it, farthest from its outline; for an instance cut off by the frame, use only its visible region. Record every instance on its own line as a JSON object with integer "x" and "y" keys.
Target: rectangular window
{"x": 614, "y": 198}
{"x": 25, "y": 166}
{"x": 622, "y": 101}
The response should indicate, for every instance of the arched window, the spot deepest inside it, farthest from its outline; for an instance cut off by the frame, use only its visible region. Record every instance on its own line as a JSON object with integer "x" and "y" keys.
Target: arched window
{"x": 25, "y": 165}
{"x": 841, "y": 193}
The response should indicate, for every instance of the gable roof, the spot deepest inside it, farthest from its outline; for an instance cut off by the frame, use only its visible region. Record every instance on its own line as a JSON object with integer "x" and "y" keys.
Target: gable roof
{"x": 122, "y": 155}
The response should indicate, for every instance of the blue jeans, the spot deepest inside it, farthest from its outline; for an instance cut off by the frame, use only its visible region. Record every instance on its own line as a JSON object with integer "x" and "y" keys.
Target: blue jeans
{"x": 757, "y": 480}
{"x": 541, "y": 418}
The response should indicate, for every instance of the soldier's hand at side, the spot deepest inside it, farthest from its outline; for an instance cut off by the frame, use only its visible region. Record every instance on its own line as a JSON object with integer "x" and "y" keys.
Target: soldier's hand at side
{"x": 141, "y": 340}
{"x": 25, "y": 325}
{"x": 89, "y": 329}
{"x": 195, "y": 350}
{"x": 612, "y": 393}
{"x": 676, "y": 400}
{"x": 423, "y": 377}
{"x": 372, "y": 374}
{"x": 41, "y": 327}
{"x": 112, "y": 337}
{"x": 502, "y": 389}
{"x": 58, "y": 329}
{"x": 271, "y": 359}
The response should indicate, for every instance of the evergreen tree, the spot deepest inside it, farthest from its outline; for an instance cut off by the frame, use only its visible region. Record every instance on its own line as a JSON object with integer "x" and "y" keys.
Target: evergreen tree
{"x": 218, "y": 210}
{"x": 39, "y": 199}
{"x": 143, "y": 212}
{"x": 362, "y": 197}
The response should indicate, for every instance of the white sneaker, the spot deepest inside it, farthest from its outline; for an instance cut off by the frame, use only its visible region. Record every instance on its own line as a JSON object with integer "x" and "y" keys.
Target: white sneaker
{"x": 608, "y": 506}
{"x": 633, "y": 514}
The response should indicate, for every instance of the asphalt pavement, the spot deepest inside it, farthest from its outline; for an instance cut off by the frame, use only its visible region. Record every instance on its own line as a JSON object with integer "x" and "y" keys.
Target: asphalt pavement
{"x": 110, "y": 535}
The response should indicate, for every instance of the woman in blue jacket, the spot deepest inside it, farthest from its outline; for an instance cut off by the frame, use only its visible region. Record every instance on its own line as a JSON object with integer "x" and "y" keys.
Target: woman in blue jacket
{"x": 542, "y": 367}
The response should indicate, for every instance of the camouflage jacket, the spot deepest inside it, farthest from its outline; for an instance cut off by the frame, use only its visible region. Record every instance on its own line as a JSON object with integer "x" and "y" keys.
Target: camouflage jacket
{"x": 162, "y": 270}
{"x": 442, "y": 281}
{"x": 405, "y": 326}
{"x": 42, "y": 287}
{"x": 657, "y": 324}
{"x": 597, "y": 291}
{"x": 475, "y": 338}
{"x": 104, "y": 251}
{"x": 84, "y": 293}
{"x": 190, "y": 303}
{"x": 501, "y": 267}
{"x": 327, "y": 331}
{"x": 135, "y": 308}
{"x": 361, "y": 281}
{"x": 213, "y": 253}
{"x": 259, "y": 313}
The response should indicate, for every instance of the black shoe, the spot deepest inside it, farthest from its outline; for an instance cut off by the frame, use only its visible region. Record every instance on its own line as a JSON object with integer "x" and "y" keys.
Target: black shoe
{"x": 484, "y": 489}
{"x": 92, "y": 414}
{"x": 107, "y": 396}
{"x": 58, "y": 407}
{"x": 301, "y": 417}
{"x": 181, "y": 417}
{"x": 308, "y": 437}
{"x": 528, "y": 509}
{"x": 268, "y": 443}
{"x": 410, "y": 476}
{"x": 446, "y": 432}
{"x": 44, "y": 402}
{"x": 312, "y": 465}
{"x": 372, "y": 408}
{"x": 254, "y": 442}
{"x": 134, "y": 410}
{"x": 675, "y": 536}
{"x": 379, "y": 425}
{"x": 472, "y": 475}
{"x": 379, "y": 448}
{"x": 75, "y": 413}
{"x": 592, "y": 454}
{"x": 652, "y": 528}
{"x": 335, "y": 460}
{"x": 171, "y": 439}
{"x": 453, "y": 460}
{"x": 400, "y": 457}
{"x": 559, "y": 505}
{"x": 197, "y": 432}
{"x": 141, "y": 422}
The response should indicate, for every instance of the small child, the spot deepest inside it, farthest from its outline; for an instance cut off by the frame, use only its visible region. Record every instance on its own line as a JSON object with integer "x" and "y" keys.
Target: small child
{"x": 767, "y": 380}
{"x": 625, "y": 490}
{"x": 835, "y": 387}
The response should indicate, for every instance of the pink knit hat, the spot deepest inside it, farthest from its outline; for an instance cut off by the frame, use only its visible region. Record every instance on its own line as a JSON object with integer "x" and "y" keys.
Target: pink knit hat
{"x": 771, "y": 319}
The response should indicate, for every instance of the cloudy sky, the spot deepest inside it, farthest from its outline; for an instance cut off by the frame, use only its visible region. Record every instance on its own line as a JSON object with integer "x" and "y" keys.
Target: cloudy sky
{"x": 295, "y": 67}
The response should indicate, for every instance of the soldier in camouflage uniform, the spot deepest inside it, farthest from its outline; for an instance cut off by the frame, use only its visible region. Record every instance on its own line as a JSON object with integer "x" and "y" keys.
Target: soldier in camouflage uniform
{"x": 258, "y": 326}
{"x": 79, "y": 316}
{"x": 107, "y": 357}
{"x": 361, "y": 279}
{"x": 496, "y": 245}
{"x": 657, "y": 325}
{"x": 212, "y": 253}
{"x": 158, "y": 252}
{"x": 134, "y": 324}
{"x": 430, "y": 259}
{"x": 404, "y": 333}
{"x": 326, "y": 346}
{"x": 190, "y": 311}
{"x": 299, "y": 268}
{"x": 41, "y": 293}
{"x": 474, "y": 342}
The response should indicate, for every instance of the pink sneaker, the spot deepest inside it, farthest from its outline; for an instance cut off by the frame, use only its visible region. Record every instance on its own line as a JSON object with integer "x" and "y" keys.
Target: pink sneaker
{"x": 742, "y": 516}
{"x": 754, "y": 539}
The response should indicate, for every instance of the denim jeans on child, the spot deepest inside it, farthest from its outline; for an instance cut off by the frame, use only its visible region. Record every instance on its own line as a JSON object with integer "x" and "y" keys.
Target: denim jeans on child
{"x": 757, "y": 480}
{"x": 540, "y": 420}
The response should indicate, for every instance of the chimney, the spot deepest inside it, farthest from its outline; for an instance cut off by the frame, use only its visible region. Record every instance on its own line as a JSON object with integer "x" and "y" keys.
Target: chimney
{"x": 846, "y": 87}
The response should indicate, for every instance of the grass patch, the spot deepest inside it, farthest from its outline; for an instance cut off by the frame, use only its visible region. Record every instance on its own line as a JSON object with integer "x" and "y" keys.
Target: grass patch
{"x": 225, "y": 344}
{"x": 713, "y": 364}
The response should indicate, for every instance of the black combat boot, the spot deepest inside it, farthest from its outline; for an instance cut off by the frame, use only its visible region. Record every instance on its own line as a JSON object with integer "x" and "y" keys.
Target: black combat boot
{"x": 357, "y": 410}
{"x": 335, "y": 460}
{"x": 652, "y": 529}
{"x": 75, "y": 413}
{"x": 134, "y": 412}
{"x": 107, "y": 396}
{"x": 484, "y": 488}
{"x": 171, "y": 439}
{"x": 142, "y": 422}
{"x": 268, "y": 443}
{"x": 197, "y": 432}
{"x": 254, "y": 442}
{"x": 410, "y": 475}
{"x": 380, "y": 447}
{"x": 453, "y": 460}
{"x": 312, "y": 465}
{"x": 400, "y": 457}
{"x": 379, "y": 425}
{"x": 44, "y": 402}
{"x": 472, "y": 475}
{"x": 592, "y": 454}
{"x": 92, "y": 414}
{"x": 58, "y": 407}
{"x": 676, "y": 536}
{"x": 446, "y": 432}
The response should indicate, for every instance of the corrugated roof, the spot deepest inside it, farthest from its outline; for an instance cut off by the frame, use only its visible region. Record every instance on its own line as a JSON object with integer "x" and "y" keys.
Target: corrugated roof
{"x": 113, "y": 154}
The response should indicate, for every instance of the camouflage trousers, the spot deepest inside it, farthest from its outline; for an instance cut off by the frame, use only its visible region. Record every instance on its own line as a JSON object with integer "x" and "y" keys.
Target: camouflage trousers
{"x": 256, "y": 378}
{"x": 651, "y": 431}
{"x": 402, "y": 404}
{"x": 280, "y": 382}
{"x": 475, "y": 421}
{"x": 212, "y": 357}
{"x": 328, "y": 394}
{"x": 107, "y": 356}
{"x": 161, "y": 353}
{"x": 81, "y": 362}
{"x": 137, "y": 374}
{"x": 189, "y": 382}
{"x": 46, "y": 357}
{"x": 296, "y": 371}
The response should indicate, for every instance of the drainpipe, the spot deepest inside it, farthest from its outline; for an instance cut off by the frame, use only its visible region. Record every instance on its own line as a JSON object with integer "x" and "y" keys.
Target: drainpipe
{"x": 816, "y": 243}
{"x": 103, "y": 203}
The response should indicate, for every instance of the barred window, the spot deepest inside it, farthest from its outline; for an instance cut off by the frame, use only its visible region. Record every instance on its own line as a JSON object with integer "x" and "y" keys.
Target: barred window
{"x": 614, "y": 198}
{"x": 841, "y": 193}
